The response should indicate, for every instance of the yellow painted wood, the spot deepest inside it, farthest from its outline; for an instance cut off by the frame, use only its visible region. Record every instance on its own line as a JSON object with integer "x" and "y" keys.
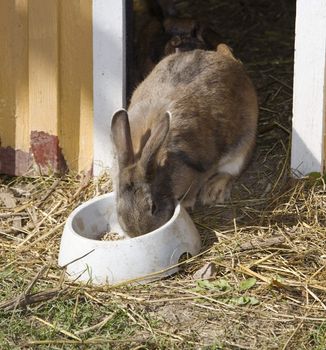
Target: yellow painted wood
{"x": 7, "y": 84}
{"x": 70, "y": 81}
{"x": 76, "y": 117}
{"x": 46, "y": 75}
{"x": 20, "y": 75}
{"x": 43, "y": 65}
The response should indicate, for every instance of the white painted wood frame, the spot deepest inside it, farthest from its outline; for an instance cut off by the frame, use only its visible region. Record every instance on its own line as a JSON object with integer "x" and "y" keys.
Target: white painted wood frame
{"x": 309, "y": 95}
{"x": 109, "y": 74}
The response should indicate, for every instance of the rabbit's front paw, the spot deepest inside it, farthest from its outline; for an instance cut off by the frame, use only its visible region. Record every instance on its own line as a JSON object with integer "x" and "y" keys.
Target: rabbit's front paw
{"x": 217, "y": 189}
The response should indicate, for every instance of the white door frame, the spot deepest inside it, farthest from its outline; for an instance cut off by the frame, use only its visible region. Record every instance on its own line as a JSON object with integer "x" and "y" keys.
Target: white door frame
{"x": 109, "y": 74}
{"x": 309, "y": 92}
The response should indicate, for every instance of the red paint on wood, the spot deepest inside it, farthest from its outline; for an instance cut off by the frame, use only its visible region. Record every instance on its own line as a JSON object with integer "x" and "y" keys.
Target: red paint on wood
{"x": 47, "y": 152}
{"x": 14, "y": 162}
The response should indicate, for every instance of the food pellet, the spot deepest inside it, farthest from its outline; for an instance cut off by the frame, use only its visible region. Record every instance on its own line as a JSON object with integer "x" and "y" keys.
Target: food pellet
{"x": 111, "y": 236}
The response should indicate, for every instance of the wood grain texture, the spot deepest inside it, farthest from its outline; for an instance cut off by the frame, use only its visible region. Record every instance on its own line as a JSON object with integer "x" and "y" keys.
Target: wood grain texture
{"x": 7, "y": 83}
{"x": 70, "y": 58}
{"x": 76, "y": 116}
{"x": 46, "y": 84}
{"x": 20, "y": 61}
{"x": 43, "y": 65}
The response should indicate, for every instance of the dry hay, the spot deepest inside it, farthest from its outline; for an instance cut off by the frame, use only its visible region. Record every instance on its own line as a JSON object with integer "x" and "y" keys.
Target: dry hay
{"x": 273, "y": 231}
{"x": 278, "y": 239}
{"x": 268, "y": 290}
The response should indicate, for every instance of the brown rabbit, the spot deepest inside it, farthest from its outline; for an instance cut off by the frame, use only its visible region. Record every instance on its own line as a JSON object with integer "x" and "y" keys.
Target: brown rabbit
{"x": 184, "y": 35}
{"x": 189, "y": 131}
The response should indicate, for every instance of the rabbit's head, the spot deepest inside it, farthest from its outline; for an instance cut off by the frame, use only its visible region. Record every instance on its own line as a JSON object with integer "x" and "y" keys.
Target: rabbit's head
{"x": 144, "y": 196}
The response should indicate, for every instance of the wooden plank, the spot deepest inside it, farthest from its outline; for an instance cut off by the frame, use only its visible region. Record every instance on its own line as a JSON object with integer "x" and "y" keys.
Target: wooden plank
{"x": 43, "y": 65}
{"x": 7, "y": 84}
{"x": 44, "y": 85}
{"x": 108, "y": 75}
{"x": 76, "y": 113}
{"x": 70, "y": 58}
{"x": 20, "y": 61}
{"x": 14, "y": 120}
{"x": 309, "y": 87}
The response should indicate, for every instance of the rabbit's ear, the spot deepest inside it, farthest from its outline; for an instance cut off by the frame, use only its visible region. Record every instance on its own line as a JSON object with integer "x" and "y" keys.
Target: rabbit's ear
{"x": 120, "y": 131}
{"x": 158, "y": 135}
{"x": 225, "y": 50}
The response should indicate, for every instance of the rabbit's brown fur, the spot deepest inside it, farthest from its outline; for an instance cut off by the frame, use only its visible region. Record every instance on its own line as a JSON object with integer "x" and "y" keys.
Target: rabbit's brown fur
{"x": 189, "y": 131}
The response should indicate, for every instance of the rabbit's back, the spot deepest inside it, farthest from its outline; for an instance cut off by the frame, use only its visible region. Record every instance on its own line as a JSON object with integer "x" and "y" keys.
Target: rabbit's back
{"x": 212, "y": 102}
{"x": 207, "y": 76}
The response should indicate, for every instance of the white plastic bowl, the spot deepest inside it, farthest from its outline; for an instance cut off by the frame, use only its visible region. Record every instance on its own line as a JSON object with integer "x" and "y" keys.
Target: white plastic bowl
{"x": 144, "y": 258}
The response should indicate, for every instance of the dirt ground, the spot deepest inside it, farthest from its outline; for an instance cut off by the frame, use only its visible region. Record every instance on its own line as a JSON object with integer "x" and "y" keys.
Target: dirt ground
{"x": 267, "y": 245}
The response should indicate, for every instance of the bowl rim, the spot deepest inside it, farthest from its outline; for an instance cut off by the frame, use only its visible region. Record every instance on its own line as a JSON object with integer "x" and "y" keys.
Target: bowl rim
{"x": 72, "y": 215}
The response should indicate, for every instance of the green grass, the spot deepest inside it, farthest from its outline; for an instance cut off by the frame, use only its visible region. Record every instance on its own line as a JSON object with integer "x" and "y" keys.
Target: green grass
{"x": 318, "y": 338}
{"x": 70, "y": 313}
{"x": 60, "y": 322}
{"x": 20, "y": 328}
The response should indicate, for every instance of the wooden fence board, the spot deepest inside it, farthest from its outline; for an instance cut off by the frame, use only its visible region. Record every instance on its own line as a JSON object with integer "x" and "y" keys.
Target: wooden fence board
{"x": 70, "y": 79}
{"x": 43, "y": 65}
{"x": 46, "y": 86}
{"x": 20, "y": 61}
{"x": 7, "y": 84}
{"x": 75, "y": 117}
